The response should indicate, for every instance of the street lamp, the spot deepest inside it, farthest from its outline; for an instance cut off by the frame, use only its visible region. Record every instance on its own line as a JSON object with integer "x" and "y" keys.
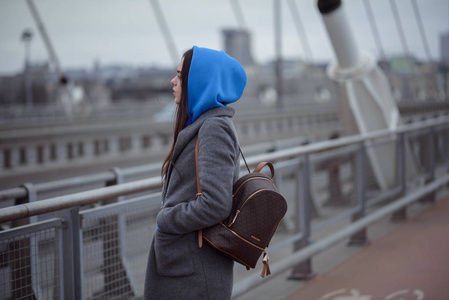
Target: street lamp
{"x": 27, "y": 36}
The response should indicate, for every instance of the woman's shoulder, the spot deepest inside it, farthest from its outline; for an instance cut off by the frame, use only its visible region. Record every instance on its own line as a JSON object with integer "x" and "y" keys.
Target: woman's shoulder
{"x": 218, "y": 126}
{"x": 217, "y": 123}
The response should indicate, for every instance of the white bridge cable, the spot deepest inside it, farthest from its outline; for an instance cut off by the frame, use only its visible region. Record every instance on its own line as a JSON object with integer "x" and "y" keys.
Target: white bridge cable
{"x": 374, "y": 29}
{"x": 434, "y": 80}
{"x": 397, "y": 20}
{"x": 421, "y": 30}
{"x": 165, "y": 31}
{"x": 300, "y": 30}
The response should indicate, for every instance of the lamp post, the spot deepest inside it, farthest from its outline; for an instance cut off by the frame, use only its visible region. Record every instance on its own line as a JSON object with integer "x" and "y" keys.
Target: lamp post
{"x": 27, "y": 36}
{"x": 278, "y": 52}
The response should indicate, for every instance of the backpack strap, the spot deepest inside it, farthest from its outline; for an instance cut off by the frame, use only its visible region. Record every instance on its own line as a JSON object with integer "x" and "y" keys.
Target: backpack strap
{"x": 244, "y": 159}
{"x": 263, "y": 164}
{"x": 198, "y": 192}
{"x": 198, "y": 184}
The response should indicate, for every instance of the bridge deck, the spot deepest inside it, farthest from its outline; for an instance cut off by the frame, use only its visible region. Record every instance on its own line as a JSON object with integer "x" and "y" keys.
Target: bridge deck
{"x": 410, "y": 263}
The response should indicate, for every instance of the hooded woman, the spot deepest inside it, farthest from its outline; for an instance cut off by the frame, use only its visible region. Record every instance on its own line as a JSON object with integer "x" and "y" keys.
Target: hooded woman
{"x": 206, "y": 81}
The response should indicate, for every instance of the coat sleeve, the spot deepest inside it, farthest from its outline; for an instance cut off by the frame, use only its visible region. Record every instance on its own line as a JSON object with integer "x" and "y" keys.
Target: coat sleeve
{"x": 216, "y": 166}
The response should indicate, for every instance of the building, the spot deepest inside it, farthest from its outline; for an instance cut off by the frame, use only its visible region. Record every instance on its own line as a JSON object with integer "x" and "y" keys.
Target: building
{"x": 237, "y": 43}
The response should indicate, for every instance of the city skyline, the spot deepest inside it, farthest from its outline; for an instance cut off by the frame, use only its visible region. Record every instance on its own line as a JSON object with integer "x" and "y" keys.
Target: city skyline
{"x": 127, "y": 33}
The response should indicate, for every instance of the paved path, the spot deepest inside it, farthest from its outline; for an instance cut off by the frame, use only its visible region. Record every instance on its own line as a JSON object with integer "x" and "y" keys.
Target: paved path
{"x": 410, "y": 263}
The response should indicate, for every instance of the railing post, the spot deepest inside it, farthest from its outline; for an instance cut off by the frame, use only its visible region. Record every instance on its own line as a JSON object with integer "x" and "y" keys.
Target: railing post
{"x": 432, "y": 161}
{"x": 279, "y": 182}
{"x": 336, "y": 196}
{"x": 71, "y": 258}
{"x": 31, "y": 196}
{"x": 427, "y": 153}
{"x": 118, "y": 179}
{"x": 294, "y": 208}
{"x": 22, "y": 269}
{"x": 401, "y": 172}
{"x": 360, "y": 238}
{"x": 303, "y": 271}
{"x": 115, "y": 267}
{"x": 445, "y": 142}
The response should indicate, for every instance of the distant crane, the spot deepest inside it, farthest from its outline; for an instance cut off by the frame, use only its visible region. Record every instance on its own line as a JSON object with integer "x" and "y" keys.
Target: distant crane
{"x": 69, "y": 94}
{"x": 238, "y": 14}
{"x": 40, "y": 25}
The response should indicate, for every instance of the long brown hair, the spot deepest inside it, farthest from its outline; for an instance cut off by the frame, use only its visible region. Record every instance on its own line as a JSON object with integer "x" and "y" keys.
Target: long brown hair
{"x": 181, "y": 110}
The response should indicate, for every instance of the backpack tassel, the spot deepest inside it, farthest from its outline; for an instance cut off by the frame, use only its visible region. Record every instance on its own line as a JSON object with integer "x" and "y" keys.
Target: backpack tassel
{"x": 266, "y": 268}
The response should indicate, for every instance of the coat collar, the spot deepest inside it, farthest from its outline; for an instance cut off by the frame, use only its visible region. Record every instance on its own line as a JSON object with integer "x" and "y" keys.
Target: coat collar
{"x": 191, "y": 131}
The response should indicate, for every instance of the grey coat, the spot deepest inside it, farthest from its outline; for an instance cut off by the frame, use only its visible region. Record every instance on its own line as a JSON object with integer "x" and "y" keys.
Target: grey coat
{"x": 177, "y": 267}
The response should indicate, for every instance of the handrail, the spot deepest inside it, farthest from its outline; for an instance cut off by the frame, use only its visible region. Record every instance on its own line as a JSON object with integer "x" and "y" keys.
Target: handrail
{"x": 77, "y": 199}
{"x": 18, "y": 192}
{"x": 319, "y": 246}
{"x": 88, "y": 197}
{"x": 344, "y": 141}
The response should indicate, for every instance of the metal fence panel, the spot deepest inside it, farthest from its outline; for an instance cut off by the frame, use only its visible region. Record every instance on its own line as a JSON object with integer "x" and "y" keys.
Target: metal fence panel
{"x": 322, "y": 187}
{"x": 30, "y": 261}
{"x": 116, "y": 241}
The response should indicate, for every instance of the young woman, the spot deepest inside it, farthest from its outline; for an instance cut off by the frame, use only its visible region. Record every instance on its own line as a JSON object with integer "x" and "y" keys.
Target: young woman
{"x": 206, "y": 81}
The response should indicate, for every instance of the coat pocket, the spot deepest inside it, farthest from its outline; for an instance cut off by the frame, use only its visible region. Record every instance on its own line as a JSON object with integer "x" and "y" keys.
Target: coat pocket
{"x": 173, "y": 257}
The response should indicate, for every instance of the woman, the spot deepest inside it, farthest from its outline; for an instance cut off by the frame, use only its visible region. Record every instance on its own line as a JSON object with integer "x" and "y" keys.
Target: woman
{"x": 206, "y": 81}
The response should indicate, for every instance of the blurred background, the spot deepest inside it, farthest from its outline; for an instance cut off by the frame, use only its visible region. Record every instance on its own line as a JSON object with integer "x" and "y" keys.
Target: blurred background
{"x": 86, "y": 103}
{"x": 69, "y": 67}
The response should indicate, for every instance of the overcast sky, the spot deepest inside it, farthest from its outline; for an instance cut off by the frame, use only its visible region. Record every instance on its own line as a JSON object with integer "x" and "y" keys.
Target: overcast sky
{"x": 127, "y": 32}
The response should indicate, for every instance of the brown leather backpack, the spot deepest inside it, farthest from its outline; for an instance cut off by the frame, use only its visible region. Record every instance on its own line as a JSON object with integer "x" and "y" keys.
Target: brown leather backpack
{"x": 257, "y": 210}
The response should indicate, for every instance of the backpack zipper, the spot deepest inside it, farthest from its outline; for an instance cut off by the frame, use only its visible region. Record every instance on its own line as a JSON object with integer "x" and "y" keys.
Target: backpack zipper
{"x": 241, "y": 207}
{"x": 234, "y": 257}
{"x": 252, "y": 178}
{"x": 243, "y": 239}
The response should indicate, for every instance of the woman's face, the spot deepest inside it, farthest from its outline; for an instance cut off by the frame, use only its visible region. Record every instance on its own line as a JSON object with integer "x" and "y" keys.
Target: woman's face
{"x": 176, "y": 82}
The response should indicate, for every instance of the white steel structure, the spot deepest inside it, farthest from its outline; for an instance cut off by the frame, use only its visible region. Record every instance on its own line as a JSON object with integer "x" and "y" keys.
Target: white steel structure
{"x": 366, "y": 103}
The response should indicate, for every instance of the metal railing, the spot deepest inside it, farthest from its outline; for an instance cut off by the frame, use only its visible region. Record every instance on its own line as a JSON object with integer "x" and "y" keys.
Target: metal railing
{"x": 33, "y": 255}
{"x": 48, "y": 147}
{"x": 62, "y": 145}
{"x": 98, "y": 252}
{"x": 24, "y": 193}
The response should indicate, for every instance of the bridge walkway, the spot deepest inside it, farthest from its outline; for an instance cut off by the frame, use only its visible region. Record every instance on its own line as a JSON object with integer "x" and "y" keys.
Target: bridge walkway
{"x": 409, "y": 263}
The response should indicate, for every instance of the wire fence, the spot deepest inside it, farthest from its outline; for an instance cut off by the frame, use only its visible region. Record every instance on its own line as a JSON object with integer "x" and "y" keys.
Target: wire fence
{"x": 115, "y": 247}
{"x": 31, "y": 262}
{"x": 91, "y": 251}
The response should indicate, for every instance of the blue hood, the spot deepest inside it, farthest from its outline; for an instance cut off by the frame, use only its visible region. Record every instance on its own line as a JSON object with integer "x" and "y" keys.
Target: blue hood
{"x": 215, "y": 79}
